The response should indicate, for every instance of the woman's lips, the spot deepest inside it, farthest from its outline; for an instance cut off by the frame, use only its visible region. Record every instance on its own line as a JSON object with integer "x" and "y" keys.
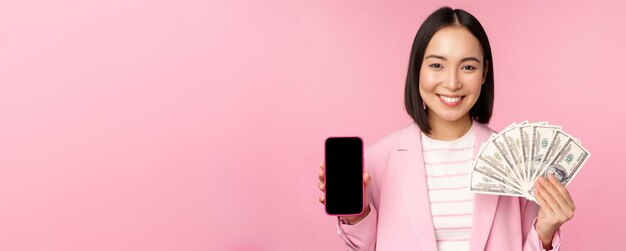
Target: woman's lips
{"x": 451, "y": 100}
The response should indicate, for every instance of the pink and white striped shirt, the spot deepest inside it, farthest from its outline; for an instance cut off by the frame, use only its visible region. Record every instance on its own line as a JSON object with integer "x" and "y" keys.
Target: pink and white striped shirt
{"x": 448, "y": 166}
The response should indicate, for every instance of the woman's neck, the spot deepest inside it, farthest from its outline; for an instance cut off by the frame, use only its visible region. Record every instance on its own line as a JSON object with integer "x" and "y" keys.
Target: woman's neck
{"x": 441, "y": 129}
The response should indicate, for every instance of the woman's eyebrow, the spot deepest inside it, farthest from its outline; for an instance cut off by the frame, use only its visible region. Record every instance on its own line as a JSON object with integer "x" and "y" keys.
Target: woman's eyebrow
{"x": 444, "y": 58}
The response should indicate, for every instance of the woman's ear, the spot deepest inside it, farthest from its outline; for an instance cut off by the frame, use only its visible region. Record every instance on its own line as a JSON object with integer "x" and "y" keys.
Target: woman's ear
{"x": 486, "y": 69}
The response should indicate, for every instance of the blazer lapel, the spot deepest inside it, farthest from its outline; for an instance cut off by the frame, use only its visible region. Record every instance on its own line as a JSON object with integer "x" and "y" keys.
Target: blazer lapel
{"x": 408, "y": 162}
{"x": 484, "y": 205}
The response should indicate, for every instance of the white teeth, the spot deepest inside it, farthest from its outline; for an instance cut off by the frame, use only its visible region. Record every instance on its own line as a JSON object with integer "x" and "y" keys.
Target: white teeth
{"x": 449, "y": 99}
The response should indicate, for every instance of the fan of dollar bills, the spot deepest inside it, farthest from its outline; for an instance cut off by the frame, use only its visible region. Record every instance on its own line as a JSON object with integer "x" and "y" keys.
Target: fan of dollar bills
{"x": 510, "y": 161}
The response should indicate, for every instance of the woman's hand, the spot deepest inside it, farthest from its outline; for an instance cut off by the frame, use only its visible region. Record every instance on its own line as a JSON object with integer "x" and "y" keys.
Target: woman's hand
{"x": 556, "y": 205}
{"x": 350, "y": 219}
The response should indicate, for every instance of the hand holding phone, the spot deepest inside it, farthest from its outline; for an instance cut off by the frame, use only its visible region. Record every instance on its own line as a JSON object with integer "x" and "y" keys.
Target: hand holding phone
{"x": 343, "y": 179}
{"x": 350, "y": 219}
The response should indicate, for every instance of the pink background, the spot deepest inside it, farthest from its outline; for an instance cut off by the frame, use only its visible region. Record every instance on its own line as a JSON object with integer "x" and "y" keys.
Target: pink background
{"x": 187, "y": 125}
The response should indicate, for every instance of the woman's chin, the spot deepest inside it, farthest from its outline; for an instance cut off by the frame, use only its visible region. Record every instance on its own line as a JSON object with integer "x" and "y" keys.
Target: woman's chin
{"x": 451, "y": 117}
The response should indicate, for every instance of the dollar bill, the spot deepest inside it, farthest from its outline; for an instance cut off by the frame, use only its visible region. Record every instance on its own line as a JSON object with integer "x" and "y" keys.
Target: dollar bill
{"x": 483, "y": 184}
{"x": 566, "y": 164}
{"x": 542, "y": 136}
{"x": 496, "y": 174}
{"x": 499, "y": 143}
{"x": 526, "y": 138}
{"x": 509, "y": 162}
{"x": 492, "y": 156}
{"x": 513, "y": 140}
{"x": 558, "y": 141}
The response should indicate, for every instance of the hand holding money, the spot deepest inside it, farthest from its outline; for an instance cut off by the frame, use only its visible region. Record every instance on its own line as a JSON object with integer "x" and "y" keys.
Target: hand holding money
{"x": 510, "y": 162}
{"x": 556, "y": 207}
{"x": 536, "y": 161}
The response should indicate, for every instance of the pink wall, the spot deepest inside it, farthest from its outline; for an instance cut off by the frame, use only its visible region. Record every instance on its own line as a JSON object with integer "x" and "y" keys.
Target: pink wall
{"x": 186, "y": 125}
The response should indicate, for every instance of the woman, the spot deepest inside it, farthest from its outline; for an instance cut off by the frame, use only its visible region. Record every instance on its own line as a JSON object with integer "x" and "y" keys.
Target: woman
{"x": 417, "y": 178}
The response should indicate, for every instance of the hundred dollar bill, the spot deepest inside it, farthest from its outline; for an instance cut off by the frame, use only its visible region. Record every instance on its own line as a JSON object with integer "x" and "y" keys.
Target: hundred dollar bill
{"x": 558, "y": 141}
{"x": 500, "y": 145}
{"x": 513, "y": 141}
{"x": 485, "y": 169}
{"x": 483, "y": 184}
{"x": 541, "y": 139}
{"x": 566, "y": 163}
{"x": 571, "y": 149}
{"x": 491, "y": 155}
{"x": 526, "y": 139}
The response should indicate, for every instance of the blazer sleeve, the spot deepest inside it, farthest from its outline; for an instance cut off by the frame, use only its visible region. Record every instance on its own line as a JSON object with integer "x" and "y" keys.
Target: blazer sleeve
{"x": 531, "y": 239}
{"x": 362, "y": 236}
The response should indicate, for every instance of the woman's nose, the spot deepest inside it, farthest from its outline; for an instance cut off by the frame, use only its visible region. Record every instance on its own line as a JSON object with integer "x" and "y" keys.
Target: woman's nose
{"x": 452, "y": 81}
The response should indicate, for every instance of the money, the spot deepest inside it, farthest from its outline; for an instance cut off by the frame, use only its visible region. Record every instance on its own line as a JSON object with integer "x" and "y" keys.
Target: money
{"x": 510, "y": 161}
{"x": 513, "y": 141}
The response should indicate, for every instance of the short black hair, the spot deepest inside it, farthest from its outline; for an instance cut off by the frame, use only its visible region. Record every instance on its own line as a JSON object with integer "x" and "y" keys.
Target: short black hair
{"x": 441, "y": 18}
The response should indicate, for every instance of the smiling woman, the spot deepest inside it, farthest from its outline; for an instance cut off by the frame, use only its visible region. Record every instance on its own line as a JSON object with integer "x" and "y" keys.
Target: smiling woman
{"x": 451, "y": 77}
{"x": 425, "y": 167}
{"x": 451, "y": 57}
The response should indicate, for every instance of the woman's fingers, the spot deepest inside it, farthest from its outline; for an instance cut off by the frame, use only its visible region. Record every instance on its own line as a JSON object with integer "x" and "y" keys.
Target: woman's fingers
{"x": 560, "y": 212}
{"x": 320, "y": 176}
{"x": 544, "y": 199}
{"x": 366, "y": 178}
{"x": 542, "y": 202}
{"x": 560, "y": 202}
{"x": 320, "y": 184}
{"x": 562, "y": 191}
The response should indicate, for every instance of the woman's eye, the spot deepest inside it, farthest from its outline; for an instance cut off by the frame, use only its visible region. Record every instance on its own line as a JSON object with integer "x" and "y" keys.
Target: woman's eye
{"x": 469, "y": 67}
{"x": 435, "y": 66}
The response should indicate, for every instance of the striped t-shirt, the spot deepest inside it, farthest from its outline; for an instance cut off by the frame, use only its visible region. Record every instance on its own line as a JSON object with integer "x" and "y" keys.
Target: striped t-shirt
{"x": 448, "y": 166}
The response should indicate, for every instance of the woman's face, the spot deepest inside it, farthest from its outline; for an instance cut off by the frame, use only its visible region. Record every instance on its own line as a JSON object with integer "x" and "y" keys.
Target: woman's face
{"x": 451, "y": 74}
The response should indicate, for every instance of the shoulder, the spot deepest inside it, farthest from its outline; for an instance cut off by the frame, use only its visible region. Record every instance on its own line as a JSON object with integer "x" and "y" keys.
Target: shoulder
{"x": 482, "y": 131}
{"x": 483, "y": 128}
{"x": 377, "y": 154}
{"x": 382, "y": 147}
{"x": 390, "y": 141}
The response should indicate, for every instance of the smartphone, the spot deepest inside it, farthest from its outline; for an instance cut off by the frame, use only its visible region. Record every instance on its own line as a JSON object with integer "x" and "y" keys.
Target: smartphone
{"x": 343, "y": 158}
